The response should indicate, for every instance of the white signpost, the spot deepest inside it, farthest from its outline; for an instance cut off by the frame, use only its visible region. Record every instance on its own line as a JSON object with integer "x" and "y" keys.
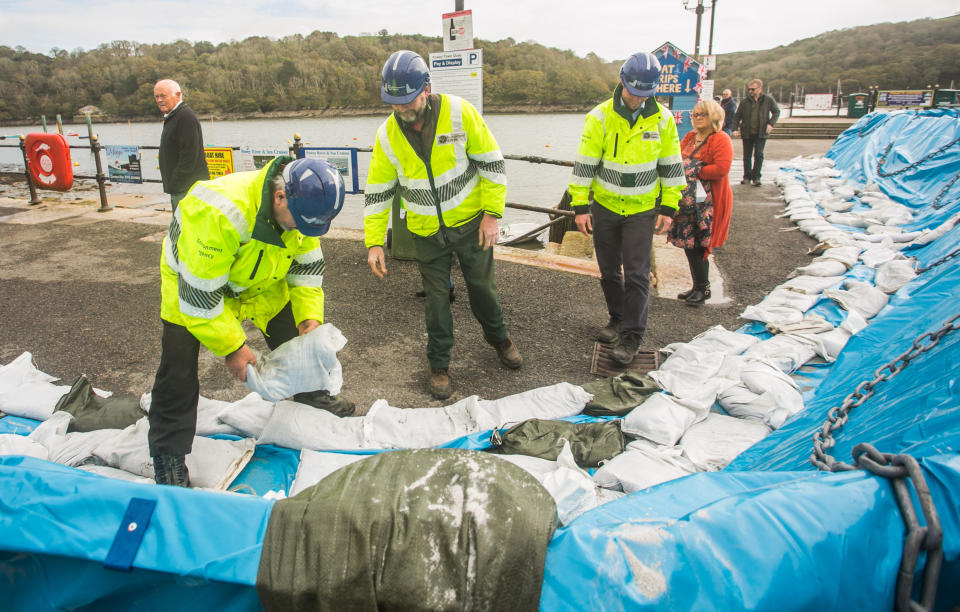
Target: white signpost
{"x": 459, "y": 73}
{"x": 818, "y": 101}
{"x": 457, "y": 31}
{"x": 706, "y": 93}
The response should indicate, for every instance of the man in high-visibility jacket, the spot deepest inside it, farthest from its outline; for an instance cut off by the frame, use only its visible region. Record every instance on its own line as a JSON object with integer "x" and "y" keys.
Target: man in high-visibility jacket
{"x": 630, "y": 157}
{"x": 242, "y": 246}
{"x": 436, "y": 153}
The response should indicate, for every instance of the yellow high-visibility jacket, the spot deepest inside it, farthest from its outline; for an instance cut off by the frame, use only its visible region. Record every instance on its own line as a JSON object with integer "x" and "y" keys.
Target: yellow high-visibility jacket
{"x": 628, "y": 167}
{"x": 225, "y": 259}
{"x": 466, "y": 175}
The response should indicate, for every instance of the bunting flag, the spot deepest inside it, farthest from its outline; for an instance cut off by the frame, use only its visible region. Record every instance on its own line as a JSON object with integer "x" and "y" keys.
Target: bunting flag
{"x": 698, "y": 87}
{"x": 702, "y": 71}
{"x": 686, "y": 64}
{"x": 678, "y": 117}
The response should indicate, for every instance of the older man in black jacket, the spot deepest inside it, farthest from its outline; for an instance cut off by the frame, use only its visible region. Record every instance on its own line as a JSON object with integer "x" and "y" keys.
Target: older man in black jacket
{"x": 182, "y": 161}
{"x": 754, "y": 119}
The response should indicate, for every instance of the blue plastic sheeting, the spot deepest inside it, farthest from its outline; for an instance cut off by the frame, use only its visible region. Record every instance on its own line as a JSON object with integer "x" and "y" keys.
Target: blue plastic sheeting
{"x": 745, "y": 541}
{"x": 17, "y": 425}
{"x": 916, "y": 412}
{"x": 272, "y": 468}
{"x": 52, "y": 510}
{"x": 912, "y": 136}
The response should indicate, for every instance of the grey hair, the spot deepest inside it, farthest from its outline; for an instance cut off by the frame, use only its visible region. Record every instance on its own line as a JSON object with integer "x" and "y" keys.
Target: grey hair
{"x": 278, "y": 184}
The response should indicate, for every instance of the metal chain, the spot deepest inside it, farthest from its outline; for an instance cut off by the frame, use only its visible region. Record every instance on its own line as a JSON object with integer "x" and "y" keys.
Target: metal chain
{"x": 883, "y": 159}
{"x": 897, "y": 468}
{"x": 837, "y": 417}
{"x": 942, "y": 260}
{"x": 943, "y": 192}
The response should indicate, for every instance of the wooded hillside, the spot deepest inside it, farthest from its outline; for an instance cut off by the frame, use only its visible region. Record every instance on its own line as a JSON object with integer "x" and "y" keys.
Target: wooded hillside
{"x": 324, "y": 70}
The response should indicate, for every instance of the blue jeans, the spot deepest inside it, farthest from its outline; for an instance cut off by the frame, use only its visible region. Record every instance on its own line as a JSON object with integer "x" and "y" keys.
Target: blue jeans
{"x": 753, "y": 148}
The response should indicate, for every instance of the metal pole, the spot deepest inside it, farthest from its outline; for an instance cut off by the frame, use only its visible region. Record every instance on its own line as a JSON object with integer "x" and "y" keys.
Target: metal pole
{"x": 34, "y": 199}
{"x": 101, "y": 179}
{"x": 713, "y": 10}
{"x": 458, "y": 5}
{"x": 59, "y": 125}
{"x": 43, "y": 122}
{"x": 696, "y": 49}
{"x": 541, "y": 209}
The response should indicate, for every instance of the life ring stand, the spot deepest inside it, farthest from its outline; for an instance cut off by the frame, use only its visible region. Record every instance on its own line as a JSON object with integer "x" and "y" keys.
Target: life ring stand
{"x": 48, "y": 158}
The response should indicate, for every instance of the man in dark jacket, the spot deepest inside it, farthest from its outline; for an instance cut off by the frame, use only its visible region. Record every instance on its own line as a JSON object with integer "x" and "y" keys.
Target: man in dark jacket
{"x": 729, "y": 106}
{"x": 754, "y": 120}
{"x": 182, "y": 161}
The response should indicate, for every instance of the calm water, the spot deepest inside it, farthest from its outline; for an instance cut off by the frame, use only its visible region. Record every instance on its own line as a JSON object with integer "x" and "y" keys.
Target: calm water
{"x": 553, "y": 136}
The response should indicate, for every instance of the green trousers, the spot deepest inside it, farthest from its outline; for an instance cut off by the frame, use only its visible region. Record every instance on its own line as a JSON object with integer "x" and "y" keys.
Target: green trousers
{"x": 434, "y": 257}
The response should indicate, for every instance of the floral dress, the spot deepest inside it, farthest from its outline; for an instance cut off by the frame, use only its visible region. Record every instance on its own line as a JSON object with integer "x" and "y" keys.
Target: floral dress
{"x": 691, "y": 224}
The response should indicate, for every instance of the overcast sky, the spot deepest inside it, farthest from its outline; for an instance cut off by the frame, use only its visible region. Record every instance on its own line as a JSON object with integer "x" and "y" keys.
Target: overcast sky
{"x": 613, "y": 29}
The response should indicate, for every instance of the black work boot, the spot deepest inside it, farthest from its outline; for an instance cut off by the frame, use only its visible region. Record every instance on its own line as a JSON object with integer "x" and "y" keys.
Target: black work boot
{"x": 611, "y": 332}
{"x": 171, "y": 470}
{"x": 508, "y": 353}
{"x": 439, "y": 383}
{"x": 324, "y": 401}
{"x": 625, "y": 351}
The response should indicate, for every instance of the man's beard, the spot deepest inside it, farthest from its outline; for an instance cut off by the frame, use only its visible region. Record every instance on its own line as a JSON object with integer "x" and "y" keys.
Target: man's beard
{"x": 413, "y": 116}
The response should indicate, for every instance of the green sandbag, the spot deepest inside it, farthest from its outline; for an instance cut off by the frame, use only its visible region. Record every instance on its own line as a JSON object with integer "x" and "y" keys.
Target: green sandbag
{"x": 91, "y": 412}
{"x": 427, "y": 529}
{"x": 591, "y": 443}
{"x": 618, "y": 395}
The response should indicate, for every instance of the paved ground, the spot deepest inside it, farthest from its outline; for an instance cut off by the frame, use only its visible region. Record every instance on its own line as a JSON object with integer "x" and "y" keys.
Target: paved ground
{"x": 80, "y": 290}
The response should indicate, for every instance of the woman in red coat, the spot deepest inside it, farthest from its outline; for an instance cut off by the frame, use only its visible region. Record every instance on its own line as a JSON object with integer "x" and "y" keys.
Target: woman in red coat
{"x": 703, "y": 219}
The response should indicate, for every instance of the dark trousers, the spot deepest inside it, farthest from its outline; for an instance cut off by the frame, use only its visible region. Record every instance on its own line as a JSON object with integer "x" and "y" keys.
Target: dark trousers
{"x": 753, "y": 157}
{"x": 627, "y": 242}
{"x": 699, "y": 267}
{"x": 434, "y": 259}
{"x": 176, "y": 389}
{"x": 175, "y": 199}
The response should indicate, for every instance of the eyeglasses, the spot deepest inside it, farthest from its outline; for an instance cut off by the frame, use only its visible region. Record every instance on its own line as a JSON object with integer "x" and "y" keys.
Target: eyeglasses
{"x": 752, "y": 88}
{"x": 699, "y": 115}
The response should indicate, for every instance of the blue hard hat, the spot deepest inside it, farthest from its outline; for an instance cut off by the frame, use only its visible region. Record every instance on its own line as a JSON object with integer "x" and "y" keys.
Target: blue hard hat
{"x": 314, "y": 194}
{"x": 640, "y": 74}
{"x": 405, "y": 76}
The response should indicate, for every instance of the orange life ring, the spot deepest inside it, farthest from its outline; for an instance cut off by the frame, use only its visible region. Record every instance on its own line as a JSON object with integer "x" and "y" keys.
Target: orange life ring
{"x": 48, "y": 157}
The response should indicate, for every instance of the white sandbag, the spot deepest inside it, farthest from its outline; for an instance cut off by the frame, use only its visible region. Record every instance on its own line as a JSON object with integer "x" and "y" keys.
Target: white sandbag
{"x": 639, "y": 468}
{"x": 829, "y": 344}
{"x": 661, "y": 419}
{"x": 849, "y": 219}
{"x": 688, "y": 371}
{"x": 766, "y": 394}
{"x": 894, "y": 274}
{"x": 826, "y": 267}
{"x": 714, "y": 442}
{"x": 315, "y": 466}
{"x": 875, "y": 256}
{"x": 298, "y": 426}
{"x": 848, "y": 255}
{"x": 810, "y": 324}
{"x": 859, "y": 296}
{"x": 213, "y": 464}
{"x": 721, "y": 340}
{"x": 78, "y": 446}
{"x": 929, "y": 235}
{"x": 109, "y": 472}
{"x": 208, "y": 411}
{"x": 305, "y": 363}
{"x": 27, "y": 392}
{"x": 387, "y": 427}
{"x": 248, "y": 415}
{"x": 794, "y": 299}
{"x": 772, "y": 315}
{"x": 786, "y": 352}
{"x": 811, "y": 285}
{"x": 51, "y": 432}
{"x": 550, "y": 402}
{"x": 837, "y": 204}
{"x": 15, "y": 444}
{"x": 572, "y": 488}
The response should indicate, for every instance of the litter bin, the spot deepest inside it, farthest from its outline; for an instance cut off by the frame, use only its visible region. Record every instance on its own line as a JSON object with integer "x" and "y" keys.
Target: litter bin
{"x": 946, "y": 98}
{"x": 399, "y": 239}
{"x": 857, "y": 105}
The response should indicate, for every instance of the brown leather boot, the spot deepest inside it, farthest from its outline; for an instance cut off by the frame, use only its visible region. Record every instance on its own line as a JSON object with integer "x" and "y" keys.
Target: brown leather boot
{"x": 439, "y": 383}
{"x": 508, "y": 353}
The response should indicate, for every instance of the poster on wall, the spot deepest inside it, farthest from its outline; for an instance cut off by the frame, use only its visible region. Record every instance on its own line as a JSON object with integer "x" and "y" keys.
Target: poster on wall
{"x": 254, "y": 158}
{"x": 344, "y": 159}
{"x": 818, "y": 101}
{"x": 219, "y": 160}
{"x": 123, "y": 163}
{"x": 457, "y": 30}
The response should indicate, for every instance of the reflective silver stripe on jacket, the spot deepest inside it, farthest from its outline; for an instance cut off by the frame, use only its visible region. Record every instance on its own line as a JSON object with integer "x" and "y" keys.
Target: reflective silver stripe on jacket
{"x": 584, "y": 169}
{"x": 627, "y": 179}
{"x": 307, "y": 269}
{"x": 670, "y": 171}
{"x": 378, "y": 197}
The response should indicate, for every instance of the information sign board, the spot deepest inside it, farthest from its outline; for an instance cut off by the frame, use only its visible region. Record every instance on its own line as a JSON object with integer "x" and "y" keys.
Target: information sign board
{"x": 457, "y": 31}
{"x": 219, "y": 160}
{"x": 905, "y": 97}
{"x": 706, "y": 91}
{"x": 818, "y": 101}
{"x": 254, "y": 158}
{"x": 343, "y": 159}
{"x": 459, "y": 73}
{"x": 123, "y": 163}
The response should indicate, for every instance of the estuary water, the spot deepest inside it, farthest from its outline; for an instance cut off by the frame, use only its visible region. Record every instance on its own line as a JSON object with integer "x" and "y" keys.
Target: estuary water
{"x": 551, "y": 135}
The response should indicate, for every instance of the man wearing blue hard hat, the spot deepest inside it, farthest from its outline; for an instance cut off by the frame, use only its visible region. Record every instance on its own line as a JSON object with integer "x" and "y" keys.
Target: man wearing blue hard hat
{"x": 629, "y": 158}
{"x": 437, "y": 154}
{"x": 241, "y": 246}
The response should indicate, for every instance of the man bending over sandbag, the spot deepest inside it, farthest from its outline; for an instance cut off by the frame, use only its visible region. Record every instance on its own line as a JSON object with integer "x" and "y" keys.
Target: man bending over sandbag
{"x": 240, "y": 246}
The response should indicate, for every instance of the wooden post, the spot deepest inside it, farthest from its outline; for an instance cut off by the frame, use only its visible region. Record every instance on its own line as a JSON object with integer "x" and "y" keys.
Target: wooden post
{"x": 95, "y": 148}
{"x": 34, "y": 198}
{"x": 59, "y": 125}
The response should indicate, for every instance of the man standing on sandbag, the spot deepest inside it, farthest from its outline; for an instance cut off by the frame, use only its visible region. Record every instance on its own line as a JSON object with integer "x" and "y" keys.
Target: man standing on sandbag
{"x": 242, "y": 246}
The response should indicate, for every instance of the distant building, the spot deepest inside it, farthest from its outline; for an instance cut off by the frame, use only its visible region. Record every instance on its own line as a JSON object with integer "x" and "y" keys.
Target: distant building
{"x": 91, "y": 110}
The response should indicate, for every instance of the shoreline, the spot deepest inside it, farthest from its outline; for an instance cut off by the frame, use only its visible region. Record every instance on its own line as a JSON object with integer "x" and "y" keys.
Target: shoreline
{"x": 330, "y": 112}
